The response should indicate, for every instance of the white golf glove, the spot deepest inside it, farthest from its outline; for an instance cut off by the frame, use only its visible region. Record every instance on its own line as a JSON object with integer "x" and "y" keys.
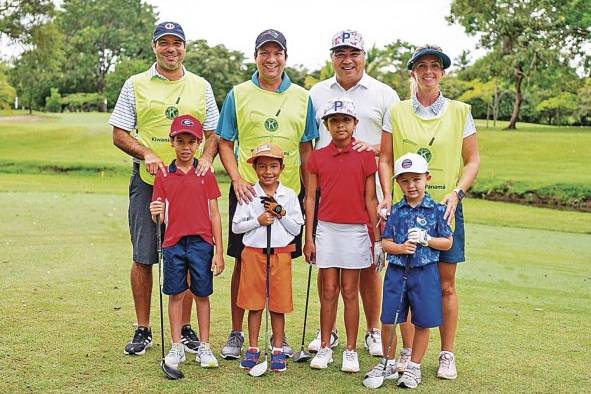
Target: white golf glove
{"x": 419, "y": 236}
{"x": 379, "y": 257}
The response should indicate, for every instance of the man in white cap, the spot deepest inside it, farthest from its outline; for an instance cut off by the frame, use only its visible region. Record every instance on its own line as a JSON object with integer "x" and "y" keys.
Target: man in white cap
{"x": 372, "y": 99}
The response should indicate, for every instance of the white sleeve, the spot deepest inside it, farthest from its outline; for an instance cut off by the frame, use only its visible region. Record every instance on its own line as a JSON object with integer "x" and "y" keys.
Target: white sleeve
{"x": 387, "y": 126}
{"x": 212, "y": 113}
{"x": 124, "y": 114}
{"x": 293, "y": 219}
{"x": 470, "y": 127}
{"x": 243, "y": 220}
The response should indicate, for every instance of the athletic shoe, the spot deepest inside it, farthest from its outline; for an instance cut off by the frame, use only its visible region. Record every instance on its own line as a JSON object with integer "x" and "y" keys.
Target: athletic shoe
{"x": 314, "y": 346}
{"x": 189, "y": 339}
{"x": 350, "y": 361}
{"x": 389, "y": 373}
{"x": 373, "y": 343}
{"x": 142, "y": 339}
{"x": 251, "y": 358}
{"x": 322, "y": 358}
{"x": 411, "y": 376}
{"x": 175, "y": 356}
{"x": 287, "y": 350}
{"x": 205, "y": 356}
{"x": 403, "y": 359}
{"x": 233, "y": 347}
{"x": 278, "y": 361}
{"x": 447, "y": 366}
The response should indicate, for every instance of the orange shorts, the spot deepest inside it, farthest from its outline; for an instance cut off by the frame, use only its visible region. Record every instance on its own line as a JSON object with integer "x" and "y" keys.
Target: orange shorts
{"x": 251, "y": 292}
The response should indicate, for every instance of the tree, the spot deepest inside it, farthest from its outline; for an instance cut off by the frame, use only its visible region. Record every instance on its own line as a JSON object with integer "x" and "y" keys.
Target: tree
{"x": 99, "y": 33}
{"x": 463, "y": 60}
{"x": 524, "y": 34}
{"x": 559, "y": 106}
{"x": 584, "y": 102}
{"x": 7, "y": 92}
{"x": 19, "y": 17}
{"x": 124, "y": 69}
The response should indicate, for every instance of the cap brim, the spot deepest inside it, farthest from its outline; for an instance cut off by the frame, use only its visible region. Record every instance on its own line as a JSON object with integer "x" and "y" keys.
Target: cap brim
{"x": 442, "y": 56}
{"x": 275, "y": 41}
{"x": 168, "y": 34}
{"x": 252, "y": 159}
{"x": 346, "y": 46}
{"x": 177, "y": 132}
{"x": 339, "y": 113}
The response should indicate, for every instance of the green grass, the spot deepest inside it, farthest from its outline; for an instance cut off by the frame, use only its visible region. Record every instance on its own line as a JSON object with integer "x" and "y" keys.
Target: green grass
{"x": 67, "y": 307}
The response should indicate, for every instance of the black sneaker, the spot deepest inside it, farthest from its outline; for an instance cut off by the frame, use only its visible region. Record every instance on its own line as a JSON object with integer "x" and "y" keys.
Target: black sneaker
{"x": 142, "y": 339}
{"x": 189, "y": 339}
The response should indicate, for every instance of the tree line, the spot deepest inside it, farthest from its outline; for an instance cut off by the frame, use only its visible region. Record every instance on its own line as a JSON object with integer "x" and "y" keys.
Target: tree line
{"x": 76, "y": 57}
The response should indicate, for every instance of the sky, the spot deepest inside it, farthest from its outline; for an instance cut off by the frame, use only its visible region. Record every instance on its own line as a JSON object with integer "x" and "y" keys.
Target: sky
{"x": 309, "y": 25}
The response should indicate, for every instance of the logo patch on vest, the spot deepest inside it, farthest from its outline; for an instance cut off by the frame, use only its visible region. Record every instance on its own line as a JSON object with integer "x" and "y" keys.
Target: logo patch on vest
{"x": 421, "y": 221}
{"x": 171, "y": 112}
{"x": 426, "y": 153}
{"x": 271, "y": 124}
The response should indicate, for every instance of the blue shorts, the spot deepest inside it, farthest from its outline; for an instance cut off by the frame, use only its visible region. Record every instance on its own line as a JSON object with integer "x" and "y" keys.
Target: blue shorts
{"x": 456, "y": 253}
{"x": 423, "y": 296}
{"x": 191, "y": 254}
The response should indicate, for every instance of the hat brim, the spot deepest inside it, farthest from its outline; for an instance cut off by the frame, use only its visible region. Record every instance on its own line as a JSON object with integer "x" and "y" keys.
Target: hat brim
{"x": 347, "y": 46}
{"x": 185, "y": 131}
{"x": 271, "y": 156}
{"x": 339, "y": 113}
{"x": 445, "y": 60}
{"x": 270, "y": 40}
{"x": 168, "y": 34}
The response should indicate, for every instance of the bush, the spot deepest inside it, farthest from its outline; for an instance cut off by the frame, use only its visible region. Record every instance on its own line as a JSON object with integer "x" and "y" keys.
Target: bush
{"x": 78, "y": 102}
{"x": 53, "y": 102}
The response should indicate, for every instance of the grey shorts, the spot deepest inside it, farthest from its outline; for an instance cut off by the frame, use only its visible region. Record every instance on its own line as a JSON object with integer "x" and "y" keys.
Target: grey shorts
{"x": 141, "y": 227}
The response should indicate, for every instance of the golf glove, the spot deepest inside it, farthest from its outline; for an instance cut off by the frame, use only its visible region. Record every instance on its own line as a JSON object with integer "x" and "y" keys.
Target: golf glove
{"x": 379, "y": 257}
{"x": 272, "y": 206}
{"x": 419, "y": 236}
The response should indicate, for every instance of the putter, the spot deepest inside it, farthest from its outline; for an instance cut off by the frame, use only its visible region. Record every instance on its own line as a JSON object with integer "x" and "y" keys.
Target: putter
{"x": 171, "y": 373}
{"x": 260, "y": 369}
{"x": 377, "y": 382}
{"x": 303, "y": 355}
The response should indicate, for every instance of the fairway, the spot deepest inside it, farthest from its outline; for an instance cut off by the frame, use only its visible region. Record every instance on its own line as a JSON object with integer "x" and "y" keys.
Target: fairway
{"x": 67, "y": 310}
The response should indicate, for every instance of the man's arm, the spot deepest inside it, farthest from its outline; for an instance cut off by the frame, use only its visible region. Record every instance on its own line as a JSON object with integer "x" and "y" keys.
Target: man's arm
{"x": 244, "y": 191}
{"x": 210, "y": 150}
{"x": 131, "y": 146}
{"x": 385, "y": 172}
{"x": 305, "y": 150}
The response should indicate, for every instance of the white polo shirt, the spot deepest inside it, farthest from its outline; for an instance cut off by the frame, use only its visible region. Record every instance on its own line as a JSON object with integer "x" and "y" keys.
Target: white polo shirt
{"x": 283, "y": 230}
{"x": 372, "y": 100}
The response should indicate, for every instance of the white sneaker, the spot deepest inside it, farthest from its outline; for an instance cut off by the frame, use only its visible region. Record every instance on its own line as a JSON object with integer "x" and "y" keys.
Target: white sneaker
{"x": 411, "y": 376}
{"x": 373, "y": 343}
{"x": 205, "y": 356}
{"x": 447, "y": 366}
{"x": 322, "y": 358}
{"x": 403, "y": 359}
{"x": 350, "y": 361}
{"x": 314, "y": 346}
{"x": 175, "y": 356}
{"x": 388, "y": 373}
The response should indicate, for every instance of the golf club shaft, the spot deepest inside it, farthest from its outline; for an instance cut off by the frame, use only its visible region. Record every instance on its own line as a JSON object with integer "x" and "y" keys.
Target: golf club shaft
{"x": 159, "y": 250}
{"x": 267, "y": 279}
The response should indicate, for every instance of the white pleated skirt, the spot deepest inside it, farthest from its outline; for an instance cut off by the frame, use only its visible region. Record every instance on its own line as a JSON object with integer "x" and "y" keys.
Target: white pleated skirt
{"x": 342, "y": 246}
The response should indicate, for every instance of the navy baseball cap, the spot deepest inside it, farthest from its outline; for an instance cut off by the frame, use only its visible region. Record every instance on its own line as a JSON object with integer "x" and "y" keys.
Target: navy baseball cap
{"x": 270, "y": 35}
{"x": 168, "y": 28}
{"x": 429, "y": 50}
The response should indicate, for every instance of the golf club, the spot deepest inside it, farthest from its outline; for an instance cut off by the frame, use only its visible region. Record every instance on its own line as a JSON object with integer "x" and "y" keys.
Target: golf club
{"x": 260, "y": 369}
{"x": 374, "y": 382}
{"x": 171, "y": 373}
{"x": 303, "y": 355}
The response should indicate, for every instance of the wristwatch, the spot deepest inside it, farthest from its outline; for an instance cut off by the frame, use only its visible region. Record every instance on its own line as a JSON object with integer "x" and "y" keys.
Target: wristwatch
{"x": 460, "y": 193}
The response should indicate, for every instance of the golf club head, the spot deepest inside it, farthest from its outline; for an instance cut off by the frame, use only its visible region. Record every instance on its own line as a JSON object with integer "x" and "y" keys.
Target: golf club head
{"x": 373, "y": 382}
{"x": 171, "y": 373}
{"x": 259, "y": 369}
{"x": 301, "y": 356}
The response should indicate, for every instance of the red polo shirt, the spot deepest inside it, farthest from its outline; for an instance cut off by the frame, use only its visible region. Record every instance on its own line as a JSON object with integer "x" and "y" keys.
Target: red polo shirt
{"x": 341, "y": 177}
{"x": 187, "y": 203}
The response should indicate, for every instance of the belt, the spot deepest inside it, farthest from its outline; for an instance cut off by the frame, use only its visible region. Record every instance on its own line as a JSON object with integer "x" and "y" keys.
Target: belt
{"x": 285, "y": 249}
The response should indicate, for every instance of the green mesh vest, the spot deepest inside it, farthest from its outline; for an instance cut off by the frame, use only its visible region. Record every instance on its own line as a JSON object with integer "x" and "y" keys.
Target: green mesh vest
{"x": 157, "y": 103}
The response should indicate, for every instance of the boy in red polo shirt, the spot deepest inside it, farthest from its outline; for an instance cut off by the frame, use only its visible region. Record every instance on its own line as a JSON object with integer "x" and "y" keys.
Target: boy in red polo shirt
{"x": 348, "y": 203}
{"x": 187, "y": 204}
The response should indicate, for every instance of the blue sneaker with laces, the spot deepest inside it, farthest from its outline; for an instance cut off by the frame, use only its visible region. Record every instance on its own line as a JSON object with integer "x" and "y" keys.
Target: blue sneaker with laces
{"x": 278, "y": 361}
{"x": 251, "y": 358}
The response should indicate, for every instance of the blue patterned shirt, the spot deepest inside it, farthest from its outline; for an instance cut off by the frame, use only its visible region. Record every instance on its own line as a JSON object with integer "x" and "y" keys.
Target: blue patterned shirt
{"x": 428, "y": 215}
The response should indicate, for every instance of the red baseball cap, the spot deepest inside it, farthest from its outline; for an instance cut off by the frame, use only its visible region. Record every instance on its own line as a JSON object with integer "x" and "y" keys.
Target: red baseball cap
{"x": 186, "y": 124}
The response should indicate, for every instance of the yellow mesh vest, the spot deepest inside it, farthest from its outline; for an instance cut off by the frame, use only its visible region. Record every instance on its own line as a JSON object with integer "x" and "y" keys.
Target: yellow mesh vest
{"x": 157, "y": 103}
{"x": 271, "y": 117}
{"x": 439, "y": 140}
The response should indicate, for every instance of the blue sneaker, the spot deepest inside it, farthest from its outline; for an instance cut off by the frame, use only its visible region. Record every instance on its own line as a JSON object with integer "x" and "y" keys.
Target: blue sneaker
{"x": 278, "y": 362}
{"x": 251, "y": 358}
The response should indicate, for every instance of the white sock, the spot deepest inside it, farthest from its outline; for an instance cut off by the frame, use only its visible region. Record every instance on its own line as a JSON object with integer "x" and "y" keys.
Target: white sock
{"x": 276, "y": 349}
{"x": 392, "y": 363}
{"x": 406, "y": 350}
{"x": 413, "y": 365}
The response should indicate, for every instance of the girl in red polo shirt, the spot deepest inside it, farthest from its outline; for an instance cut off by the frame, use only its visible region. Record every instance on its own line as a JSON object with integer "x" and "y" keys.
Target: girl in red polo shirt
{"x": 347, "y": 203}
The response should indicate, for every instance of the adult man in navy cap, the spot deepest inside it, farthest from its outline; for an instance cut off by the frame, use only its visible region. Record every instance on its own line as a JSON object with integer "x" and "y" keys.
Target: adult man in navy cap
{"x": 141, "y": 121}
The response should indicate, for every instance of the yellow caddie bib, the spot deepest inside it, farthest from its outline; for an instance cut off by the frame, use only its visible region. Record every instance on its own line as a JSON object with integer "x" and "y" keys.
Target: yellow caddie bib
{"x": 271, "y": 117}
{"x": 157, "y": 103}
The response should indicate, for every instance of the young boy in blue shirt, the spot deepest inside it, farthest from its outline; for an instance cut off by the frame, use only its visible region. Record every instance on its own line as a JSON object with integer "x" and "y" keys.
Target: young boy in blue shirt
{"x": 414, "y": 234}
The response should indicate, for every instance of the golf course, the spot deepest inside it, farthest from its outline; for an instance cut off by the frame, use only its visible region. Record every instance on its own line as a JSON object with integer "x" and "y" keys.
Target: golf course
{"x": 67, "y": 308}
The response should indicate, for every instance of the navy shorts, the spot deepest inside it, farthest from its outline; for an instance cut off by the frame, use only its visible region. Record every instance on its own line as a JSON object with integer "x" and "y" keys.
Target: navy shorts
{"x": 142, "y": 228}
{"x": 422, "y": 295}
{"x": 456, "y": 253}
{"x": 193, "y": 255}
